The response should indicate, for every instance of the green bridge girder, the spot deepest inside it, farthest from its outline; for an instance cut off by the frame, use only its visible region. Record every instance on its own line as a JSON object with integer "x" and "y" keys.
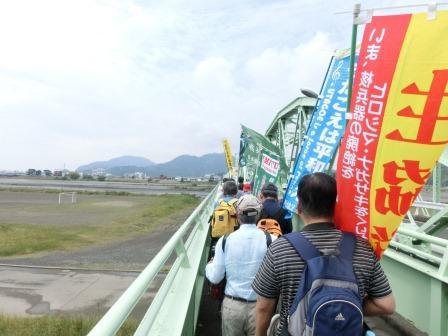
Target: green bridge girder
{"x": 289, "y": 126}
{"x": 416, "y": 261}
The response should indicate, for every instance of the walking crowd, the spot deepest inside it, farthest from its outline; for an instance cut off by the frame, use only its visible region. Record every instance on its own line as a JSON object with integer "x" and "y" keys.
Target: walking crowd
{"x": 272, "y": 281}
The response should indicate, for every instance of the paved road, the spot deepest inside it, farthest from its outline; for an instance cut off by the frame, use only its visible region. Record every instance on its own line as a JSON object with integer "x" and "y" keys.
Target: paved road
{"x": 148, "y": 189}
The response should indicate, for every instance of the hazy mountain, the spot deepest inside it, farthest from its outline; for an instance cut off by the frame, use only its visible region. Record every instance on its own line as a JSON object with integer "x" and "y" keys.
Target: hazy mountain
{"x": 126, "y": 160}
{"x": 184, "y": 165}
{"x": 188, "y": 165}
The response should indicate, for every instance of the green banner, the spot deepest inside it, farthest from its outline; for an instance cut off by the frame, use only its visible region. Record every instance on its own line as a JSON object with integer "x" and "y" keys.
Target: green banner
{"x": 252, "y": 144}
{"x": 268, "y": 170}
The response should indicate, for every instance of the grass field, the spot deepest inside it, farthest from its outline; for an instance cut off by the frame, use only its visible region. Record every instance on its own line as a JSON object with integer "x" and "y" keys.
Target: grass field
{"x": 32, "y": 222}
{"x": 55, "y": 326}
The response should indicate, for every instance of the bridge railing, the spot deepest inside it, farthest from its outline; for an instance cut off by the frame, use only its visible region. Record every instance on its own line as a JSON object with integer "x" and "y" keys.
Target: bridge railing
{"x": 416, "y": 264}
{"x": 180, "y": 293}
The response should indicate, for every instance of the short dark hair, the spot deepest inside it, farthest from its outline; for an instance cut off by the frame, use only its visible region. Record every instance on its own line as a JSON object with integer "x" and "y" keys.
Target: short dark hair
{"x": 269, "y": 190}
{"x": 240, "y": 179}
{"x": 229, "y": 188}
{"x": 245, "y": 219}
{"x": 317, "y": 195}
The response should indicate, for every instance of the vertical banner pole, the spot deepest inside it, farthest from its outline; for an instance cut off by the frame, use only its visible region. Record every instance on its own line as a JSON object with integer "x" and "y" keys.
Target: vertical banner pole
{"x": 351, "y": 74}
{"x": 356, "y": 12}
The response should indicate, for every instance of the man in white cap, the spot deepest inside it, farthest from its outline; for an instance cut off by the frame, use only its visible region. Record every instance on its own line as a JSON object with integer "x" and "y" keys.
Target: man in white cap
{"x": 238, "y": 257}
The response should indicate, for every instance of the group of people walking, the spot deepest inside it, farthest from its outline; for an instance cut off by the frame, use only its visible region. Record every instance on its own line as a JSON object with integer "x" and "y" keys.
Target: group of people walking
{"x": 319, "y": 281}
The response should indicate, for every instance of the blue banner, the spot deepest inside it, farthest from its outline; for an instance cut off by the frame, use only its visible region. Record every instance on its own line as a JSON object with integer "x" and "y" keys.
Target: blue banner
{"x": 325, "y": 129}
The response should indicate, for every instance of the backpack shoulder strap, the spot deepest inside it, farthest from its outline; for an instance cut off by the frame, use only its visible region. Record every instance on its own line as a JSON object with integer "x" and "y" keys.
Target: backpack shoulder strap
{"x": 302, "y": 245}
{"x": 280, "y": 213}
{"x": 268, "y": 238}
{"x": 233, "y": 201}
{"x": 224, "y": 239}
{"x": 347, "y": 246}
{"x": 262, "y": 214}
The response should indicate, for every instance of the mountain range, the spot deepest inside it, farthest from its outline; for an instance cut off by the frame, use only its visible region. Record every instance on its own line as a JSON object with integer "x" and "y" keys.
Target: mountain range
{"x": 184, "y": 165}
{"x": 126, "y": 160}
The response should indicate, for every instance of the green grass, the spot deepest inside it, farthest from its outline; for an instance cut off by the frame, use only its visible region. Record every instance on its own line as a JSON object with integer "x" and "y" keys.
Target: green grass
{"x": 55, "y": 326}
{"x": 90, "y": 221}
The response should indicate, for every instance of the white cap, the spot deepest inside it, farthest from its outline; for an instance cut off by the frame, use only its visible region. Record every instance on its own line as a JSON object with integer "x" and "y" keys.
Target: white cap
{"x": 249, "y": 202}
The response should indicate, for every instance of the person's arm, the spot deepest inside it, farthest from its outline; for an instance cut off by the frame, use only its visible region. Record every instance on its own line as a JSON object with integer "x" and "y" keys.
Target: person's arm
{"x": 379, "y": 306}
{"x": 264, "y": 309}
{"x": 215, "y": 270}
{"x": 379, "y": 299}
{"x": 267, "y": 286}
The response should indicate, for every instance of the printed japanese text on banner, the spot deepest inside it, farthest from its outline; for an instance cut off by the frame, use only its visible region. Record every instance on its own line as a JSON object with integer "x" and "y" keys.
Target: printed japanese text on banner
{"x": 267, "y": 170}
{"x": 228, "y": 154}
{"x": 325, "y": 129}
{"x": 251, "y": 145}
{"x": 399, "y": 127}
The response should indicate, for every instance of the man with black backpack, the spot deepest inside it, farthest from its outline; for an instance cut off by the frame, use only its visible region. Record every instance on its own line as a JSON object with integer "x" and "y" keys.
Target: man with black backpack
{"x": 272, "y": 214}
{"x": 342, "y": 280}
{"x": 238, "y": 256}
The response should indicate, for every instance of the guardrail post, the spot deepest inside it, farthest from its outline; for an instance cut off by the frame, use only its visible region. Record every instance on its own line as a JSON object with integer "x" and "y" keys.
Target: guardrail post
{"x": 182, "y": 253}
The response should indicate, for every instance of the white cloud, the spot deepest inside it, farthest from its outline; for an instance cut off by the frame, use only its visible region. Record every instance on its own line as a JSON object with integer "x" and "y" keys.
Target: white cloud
{"x": 283, "y": 71}
{"x": 214, "y": 73}
{"x": 92, "y": 79}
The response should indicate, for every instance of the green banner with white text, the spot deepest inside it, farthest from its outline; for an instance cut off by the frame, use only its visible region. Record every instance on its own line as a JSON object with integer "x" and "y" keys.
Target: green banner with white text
{"x": 252, "y": 144}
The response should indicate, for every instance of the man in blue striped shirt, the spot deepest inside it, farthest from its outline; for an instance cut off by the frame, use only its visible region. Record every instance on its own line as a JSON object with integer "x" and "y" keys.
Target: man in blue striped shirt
{"x": 239, "y": 261}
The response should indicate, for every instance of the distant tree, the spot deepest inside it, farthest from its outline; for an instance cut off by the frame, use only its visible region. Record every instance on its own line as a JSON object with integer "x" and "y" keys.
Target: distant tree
{"x": 87, "y": 177}
{"x": 101, "y": 178}
{"x": 38, "y": 172}
{"x": 182, "y": 179}
{"x": 73, "y": 175}
{"x": 31, "y": 172}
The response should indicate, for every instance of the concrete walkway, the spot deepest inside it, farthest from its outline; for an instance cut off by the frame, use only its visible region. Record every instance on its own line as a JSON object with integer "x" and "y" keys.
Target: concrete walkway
{"x": 30, "y": 291}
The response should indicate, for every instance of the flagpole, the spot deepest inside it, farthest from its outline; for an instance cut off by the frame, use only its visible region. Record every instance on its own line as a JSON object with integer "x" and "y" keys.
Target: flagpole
{"x": 356, "y": 12}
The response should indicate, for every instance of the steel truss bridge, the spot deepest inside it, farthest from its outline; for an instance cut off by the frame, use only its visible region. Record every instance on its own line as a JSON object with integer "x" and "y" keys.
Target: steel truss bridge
{"x": 416, "y": 262}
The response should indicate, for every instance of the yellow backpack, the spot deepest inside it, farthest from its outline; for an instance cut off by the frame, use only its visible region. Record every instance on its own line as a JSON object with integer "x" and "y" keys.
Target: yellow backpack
{"x": 224, "y": 219}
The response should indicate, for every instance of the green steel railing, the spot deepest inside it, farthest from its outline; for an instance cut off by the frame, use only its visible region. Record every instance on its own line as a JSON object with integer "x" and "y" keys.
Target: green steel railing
{"x": 175, "y": 307}
{"x": 416, "y": 264}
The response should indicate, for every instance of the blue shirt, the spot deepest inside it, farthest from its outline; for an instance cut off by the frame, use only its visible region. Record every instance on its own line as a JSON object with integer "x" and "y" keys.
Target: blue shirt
{"x": 244, "y": 252}
{"x": 225, "y": 199}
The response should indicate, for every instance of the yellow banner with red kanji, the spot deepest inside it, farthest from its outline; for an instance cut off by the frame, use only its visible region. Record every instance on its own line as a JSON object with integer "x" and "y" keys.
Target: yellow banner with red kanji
{"x": 399, "y": 125}
{"x": 228, "y": 154}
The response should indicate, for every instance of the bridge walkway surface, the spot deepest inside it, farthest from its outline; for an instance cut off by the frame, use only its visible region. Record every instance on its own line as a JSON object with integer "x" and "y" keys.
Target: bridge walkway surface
{"x": 209, "y": 321}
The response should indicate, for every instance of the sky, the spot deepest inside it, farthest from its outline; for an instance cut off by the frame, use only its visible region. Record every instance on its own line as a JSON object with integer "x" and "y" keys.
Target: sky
{"x": 90, "y": 80}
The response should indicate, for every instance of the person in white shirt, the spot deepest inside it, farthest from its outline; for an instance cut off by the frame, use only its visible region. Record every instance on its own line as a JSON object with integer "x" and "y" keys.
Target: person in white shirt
{"x": 239, "y": 261}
